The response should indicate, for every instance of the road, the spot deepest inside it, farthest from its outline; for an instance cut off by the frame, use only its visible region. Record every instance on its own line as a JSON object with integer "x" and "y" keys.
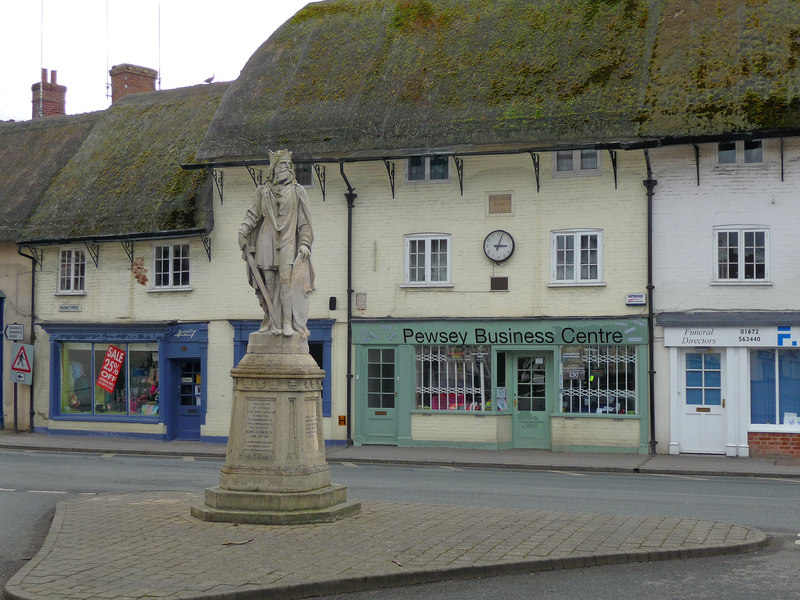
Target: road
{"x": 31, "y": 483}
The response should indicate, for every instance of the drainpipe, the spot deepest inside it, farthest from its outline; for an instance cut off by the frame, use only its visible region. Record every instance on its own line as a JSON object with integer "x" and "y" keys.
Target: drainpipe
{"x": 649, "y": 185}
{"x": 350, "y": 195}
{"x": 33, "y": 332}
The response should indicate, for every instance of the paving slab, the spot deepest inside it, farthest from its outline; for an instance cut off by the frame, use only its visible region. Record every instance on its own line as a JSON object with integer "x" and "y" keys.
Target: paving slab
{"x": 147, "y": 545}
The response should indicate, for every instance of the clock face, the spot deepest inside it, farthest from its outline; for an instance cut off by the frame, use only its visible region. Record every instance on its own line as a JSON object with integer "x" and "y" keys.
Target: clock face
{"x": 498, "y": 245}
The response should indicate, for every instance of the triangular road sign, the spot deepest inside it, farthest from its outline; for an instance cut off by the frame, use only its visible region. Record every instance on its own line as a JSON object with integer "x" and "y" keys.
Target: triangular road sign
{"x": 21, "y": 362}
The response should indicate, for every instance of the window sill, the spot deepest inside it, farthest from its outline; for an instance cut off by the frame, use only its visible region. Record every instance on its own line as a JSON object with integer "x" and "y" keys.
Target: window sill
{"x": 424, "y": 181}
{"x": 580, "y": 173}
{"x": 186, "y": 288}
{"x": 425, "y": 286}
{"x": 758, "y": 428}
{"x": 557, "y": 284}
{"x": 73, "y": 294}
{"x": 743, "y": 283}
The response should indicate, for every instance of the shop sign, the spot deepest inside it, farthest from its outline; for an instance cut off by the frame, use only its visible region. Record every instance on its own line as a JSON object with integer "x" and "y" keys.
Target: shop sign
{"x": 109, "y": 372}
{"x": 754, "y": 337}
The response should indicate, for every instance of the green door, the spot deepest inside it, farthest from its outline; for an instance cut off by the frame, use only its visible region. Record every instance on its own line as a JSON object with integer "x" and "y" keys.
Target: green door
{"x": 532, "y": 393}
{"x": 379, "y": 385}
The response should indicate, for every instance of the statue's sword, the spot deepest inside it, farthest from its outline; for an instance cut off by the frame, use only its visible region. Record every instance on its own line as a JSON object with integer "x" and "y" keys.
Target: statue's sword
{"x": 261, "y": 286}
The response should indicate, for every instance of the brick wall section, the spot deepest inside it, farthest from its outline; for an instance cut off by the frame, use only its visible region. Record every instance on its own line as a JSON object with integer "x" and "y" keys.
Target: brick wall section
{"x": 48, "y": 98}
{"x": 774, "y": 444}
{"x": 131, "y": 79}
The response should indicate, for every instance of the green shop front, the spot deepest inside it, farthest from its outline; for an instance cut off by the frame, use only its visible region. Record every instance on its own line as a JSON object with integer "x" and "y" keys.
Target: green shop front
{"x": 562, "y": 385}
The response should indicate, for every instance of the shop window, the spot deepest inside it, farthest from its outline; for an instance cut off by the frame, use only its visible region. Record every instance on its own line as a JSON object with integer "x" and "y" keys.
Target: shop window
{"x": 453, "y": 378}
{"x": 428, "y": 168}
{"x": 576, "y": 162}
{"x": 740, "y": 152}
{"x": 742, "y": 255}
{"x": 577, "y": 256}
{"x": 171, "y": 266}
{"x": 775, "y": 387}
{"x": 599, "y": 379}
{"x": 72, "y": 272}
{"x": 427, "y": 259}
{"x": 134, "y": 390}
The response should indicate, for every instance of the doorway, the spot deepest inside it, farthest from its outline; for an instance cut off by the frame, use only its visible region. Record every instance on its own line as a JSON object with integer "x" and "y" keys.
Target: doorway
{"x": 190, "y": 399}
{"x": 380, "y": 410}
{"x": 531, "y": 398}
{"x": 702, "y": 406}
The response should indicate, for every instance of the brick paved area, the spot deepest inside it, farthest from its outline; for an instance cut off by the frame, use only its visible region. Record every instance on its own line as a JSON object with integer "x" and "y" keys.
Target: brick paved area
{"x": 146, "y": 545}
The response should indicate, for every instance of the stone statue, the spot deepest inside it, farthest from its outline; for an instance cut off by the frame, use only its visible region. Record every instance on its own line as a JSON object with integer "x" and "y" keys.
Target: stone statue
{"x": 275, "y": 237}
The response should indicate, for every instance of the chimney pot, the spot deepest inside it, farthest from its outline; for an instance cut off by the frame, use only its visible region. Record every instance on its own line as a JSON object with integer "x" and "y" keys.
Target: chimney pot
{"x": 48, "y": 98}
{"x": 53, "y": 77}
{"x": 44, "y": 75}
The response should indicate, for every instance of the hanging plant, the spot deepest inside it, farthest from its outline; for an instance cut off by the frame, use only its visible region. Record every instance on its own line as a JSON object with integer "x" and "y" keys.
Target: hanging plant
{"x": 139, "y": 271}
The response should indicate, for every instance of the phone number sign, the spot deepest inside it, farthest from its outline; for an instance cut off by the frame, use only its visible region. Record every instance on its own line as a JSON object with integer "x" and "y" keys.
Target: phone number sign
{"x": 109, "y": 373}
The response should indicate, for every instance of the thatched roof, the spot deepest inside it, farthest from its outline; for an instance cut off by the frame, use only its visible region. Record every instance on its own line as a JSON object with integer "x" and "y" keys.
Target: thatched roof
{"x": 346, "y": 78}
{"x": 126, "y": 177}
{"x": 31, "y": 154}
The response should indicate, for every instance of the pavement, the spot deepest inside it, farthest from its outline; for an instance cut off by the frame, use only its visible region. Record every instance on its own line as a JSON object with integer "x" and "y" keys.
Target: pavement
{"x": 147, "y": 545}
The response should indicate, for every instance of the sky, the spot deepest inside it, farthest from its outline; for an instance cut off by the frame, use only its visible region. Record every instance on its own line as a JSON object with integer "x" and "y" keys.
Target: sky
{"x": 83, "y": 39}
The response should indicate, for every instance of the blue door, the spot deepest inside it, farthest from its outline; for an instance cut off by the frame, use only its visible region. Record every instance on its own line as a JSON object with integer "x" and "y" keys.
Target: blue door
{"x": 190, "y": 399}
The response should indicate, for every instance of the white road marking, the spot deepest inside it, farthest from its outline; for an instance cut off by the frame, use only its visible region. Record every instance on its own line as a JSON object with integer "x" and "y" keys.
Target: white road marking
{"x": 566, "y": 473}
{"x": 188, "y": 458}
{"x": 449, "y": 468}
{"x": 691, "y": 477}
{"x": 7, "y": 490}
{"x": 45, "y": 492}
{"x": 109, "y": 455}
{"x": 349, "y": 464}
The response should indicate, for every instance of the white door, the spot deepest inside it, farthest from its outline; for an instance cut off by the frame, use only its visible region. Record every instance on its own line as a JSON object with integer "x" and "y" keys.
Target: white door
{"x": 702, "y": 402}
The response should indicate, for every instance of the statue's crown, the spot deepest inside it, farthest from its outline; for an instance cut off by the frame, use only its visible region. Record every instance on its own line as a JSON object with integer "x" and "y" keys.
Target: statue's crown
{"x": 278, "y": 156}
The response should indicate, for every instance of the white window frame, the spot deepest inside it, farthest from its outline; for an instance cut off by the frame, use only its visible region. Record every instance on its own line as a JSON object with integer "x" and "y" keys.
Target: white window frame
{"x": 576, "y": 235}
{"x": 426, "y": 239}
{"x": 72, "y": 272}
{"x": 576, "y": 170}
{"x": 427, "y": 178}
{"x": 171, "y": 272}
{"x": 740, "y": 155}
{"x": 741, "y": 230}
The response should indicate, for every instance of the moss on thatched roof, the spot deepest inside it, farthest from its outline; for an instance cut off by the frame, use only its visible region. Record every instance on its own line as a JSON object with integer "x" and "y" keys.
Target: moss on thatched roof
{"x": 31, "y": 154}
{"x": 354, "y": 77}
{"x": 126, "y": 177}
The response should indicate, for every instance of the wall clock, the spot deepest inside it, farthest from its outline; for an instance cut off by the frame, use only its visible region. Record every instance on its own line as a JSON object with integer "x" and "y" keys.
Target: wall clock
{"x": 498, "y": 245}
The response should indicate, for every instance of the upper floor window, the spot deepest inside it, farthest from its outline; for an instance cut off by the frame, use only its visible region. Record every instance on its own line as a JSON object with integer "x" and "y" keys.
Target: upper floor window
{"x": 171, "y": 267}
{"x": 742, "y": 254}
{"x": 302, "y": 173}
{"x": 740, "y": 152}
{"x": 576, "y": 162}
{"x": 428, "y": 168}
{"x": 577, "y": 256}
{"x": 427, "y": 259}
{"x": 72, "y": 272}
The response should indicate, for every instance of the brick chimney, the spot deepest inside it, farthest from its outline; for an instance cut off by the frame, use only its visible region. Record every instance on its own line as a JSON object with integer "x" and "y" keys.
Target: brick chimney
{"x": 48, "y": 98}
{"x": 131, "y": 79}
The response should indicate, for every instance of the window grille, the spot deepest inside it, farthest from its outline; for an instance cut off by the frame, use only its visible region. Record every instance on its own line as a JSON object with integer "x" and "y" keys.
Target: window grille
{"x": 453, "y": 378}
{"x": 606, "y": 384}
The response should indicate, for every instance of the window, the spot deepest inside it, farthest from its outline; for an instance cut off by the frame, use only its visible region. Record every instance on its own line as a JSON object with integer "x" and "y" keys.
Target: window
{"x": 576, "y": 162}
{"x": 72, "y": 272}
{"x": 703, "y": 379}
{"x": 599, "y": 379}
{"x": 453, "y": 378}
{"x": 172, "y": 266}
{"x": 742, "y": 255}
{"x": 740, "y": 152}
{"x": 302, "y": 173}
{"x": 577, "y": 256}
{"x": 428, "y": 168}
{"x": 775, "y": 387}
{"x": 428, "y": 259}
{"x": 135, "y": 391}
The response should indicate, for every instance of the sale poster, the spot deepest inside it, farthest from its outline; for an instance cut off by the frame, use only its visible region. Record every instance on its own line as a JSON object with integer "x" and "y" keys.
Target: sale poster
{"x": 109, "y": 371}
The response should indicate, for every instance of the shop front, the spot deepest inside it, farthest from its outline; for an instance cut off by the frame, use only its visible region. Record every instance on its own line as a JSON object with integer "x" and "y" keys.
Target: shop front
{"x": 144, "y": 380}
{"x": 563, "y": 385}
{"x": 734, "y": 390}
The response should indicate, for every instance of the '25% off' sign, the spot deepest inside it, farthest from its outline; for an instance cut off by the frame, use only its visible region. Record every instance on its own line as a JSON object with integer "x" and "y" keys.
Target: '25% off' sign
{"x": 109, "y": 372}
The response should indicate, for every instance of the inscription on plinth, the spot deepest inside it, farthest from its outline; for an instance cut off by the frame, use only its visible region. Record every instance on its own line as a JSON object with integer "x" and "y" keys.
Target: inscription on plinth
{"x": 259, "y": 428}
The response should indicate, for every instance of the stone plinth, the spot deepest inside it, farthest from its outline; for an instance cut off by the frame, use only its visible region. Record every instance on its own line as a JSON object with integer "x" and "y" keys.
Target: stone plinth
{"x": 275, "y": 469}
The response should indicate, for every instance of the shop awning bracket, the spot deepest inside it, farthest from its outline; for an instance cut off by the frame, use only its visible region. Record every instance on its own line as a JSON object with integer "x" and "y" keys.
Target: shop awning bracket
{"x": 535, "y": 159}
{"x": 207, "y": 245}
{"x": 37, "y": 254}
{"x": 390, "y": 170}
{"x": 127, "y": 245}
{"x": 217, "y": 175}
{"x": 613, "y": 155}
{"x": 94, "y": 252}
{"x": 255, "y": 175}
{"x": 460, "y": 170}
{"x": 320, "y": 171}
{"x": 697, "y": 161}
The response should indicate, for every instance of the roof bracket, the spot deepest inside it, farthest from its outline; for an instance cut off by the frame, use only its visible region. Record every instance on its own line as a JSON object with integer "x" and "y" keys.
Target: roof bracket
{"x": 320, "y": 171}
{"x": 218, "y": 181}
{"x": 37, "y": 254}
{"x": 535, "y": 158}
{"x": 207, "y": 245}
{"x": 127, "y": 245}
{"x": 697, "y": 161}
{"x": 613, "y": 155}
{"x": 390, "y": 170}
{"x": 460, "y": 170}
{"x": 256, "y": 178}
{"x": 94, "y": 252}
